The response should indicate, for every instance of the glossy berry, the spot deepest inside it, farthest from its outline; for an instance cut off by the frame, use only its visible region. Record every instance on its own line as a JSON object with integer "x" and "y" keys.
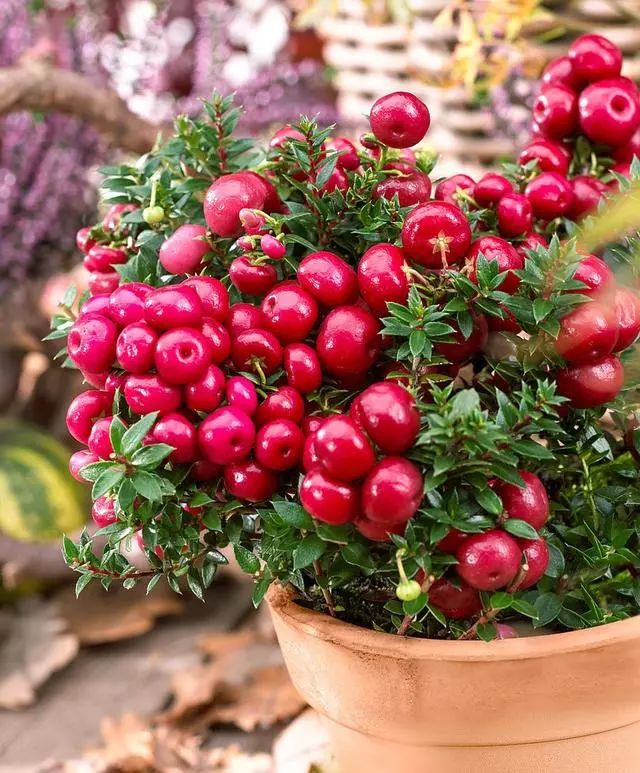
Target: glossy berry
{"x": 591, "y": 385}
{"x": 205, "y": 471}
{"x": 587, "y": 333}
{"x": 213, "y": 296}
{"x": 536, "y": 560}
{"x": 348, "y": 342}
{"x": 550, "y": 156}
{"x": 627, "y": 309}
{"x": 272, "y": 247}
{"x": 231, "y": 193}
{"x": 462, "y": 349}
{"x": 279, "y": 445}
{"x": 555, "y": 111}
{"x": 347, "y": 153}
{"x": 252, "y": 279}
{"x": 182, "y": 355}
{"x": 136, "y": 347}
{"x": 218, "y": 338}
{"x": 284, "y": 135}
{"x": 310, "y": 459}
{"x": 249, "y": 481}
{"x": 388, "y": 414}
{"x": 504, "y": 631}
{"x": 91, "y": 343}
{"x": 184, "y": 250}
{"x": 83, "y": 241}
{"x": 241, "y": 394}
{"x": 624, "y": 154}
{"x": 588, "y": 192}
{"x": 302, "y": 368}
{"x": 329, "y": 500}
{"x": 456, "y": 602}
{"x": 83, "y": 411}
{"x": 102, "y": 259}
{"x": 328, "y": 278}
{"x": 560, "y": 71}
{"x": 113, "y": 382}
{"x": 284, "y": 403}
{"x": 148, "y": 393}
{"x": 289, "y": 312}
{"x": 595, "y": 274}
{"x": 452, "y": 541}
{"x": 609, "y": 113}
{"x": 488, "y": 561}
{"x": 594, "y": 58}
{"x": 206, "y": 393}
{"x": 530, "y": 503}
{"x": 454, "y": 189}
{"x": 126, "y": 303}
{"x": 99, "y": 442}
{"x": 379, "y": 532}
{"x": 257, "y": 350}
{"x": 343, "y": 450}
{"x": 226, "y": 436}
{"x": 550, "y": 195}
{"x": 113, "y": 216}
{"x": 382, "y": 277}
{"x": 495, "y": 249}
{"x": 176, "y": 306}
{"x": 490, "y": 188}
{"x": 103, "y": 512}
{"x": 79, "y": 461}
{"x": 99, "y": 282}
{"x": 176, "y": 430}
{"x": 392, "y": 491}
{"x": 97, "y": 304}
{"x": 514, "y": 213}
{"x": 399, "y": 120}
{"x": 436, "y": 234}
{"x": 411, "y": 189}
{"x": 337, "y": 181}
{"x": 242, "y": 317}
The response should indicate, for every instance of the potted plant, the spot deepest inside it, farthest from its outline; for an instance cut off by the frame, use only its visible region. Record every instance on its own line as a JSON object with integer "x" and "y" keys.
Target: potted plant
{"x": 404, "y": 409}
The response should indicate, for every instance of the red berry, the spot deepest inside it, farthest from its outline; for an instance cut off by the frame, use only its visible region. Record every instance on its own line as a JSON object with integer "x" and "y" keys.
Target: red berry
{"x": 91, "y": 343}
{"x": 337, "y": 181}
{"x": 233, "y": 192}
{"x": 182, "y": 355}
{"x": 103, "y": 512}
{"x": 556, "y": 111}
{"x": 382, "y": 277}
{"x": 83, "y": 411}
{"x": 329, "y": 500}
{"x": 328, "y": 278}
{"x": 103, "y": 282}
{"x": 436, "y": 234}
{"x": 177, "y": 431}
{"x": 461, "y": 349}
{"x": 594, "y": 58}
{"x": 252, "y": 279}
{"x": 310, "y": 460}
{"x": 530, "y": 242}
{"x": 176, "y": 306}
{"x": 243, "y": 317}
{"x": 136, "y": 347}
{"x": 102, "y": 259}
{"x": 219, "y": 340}
{"x": 452, "y": 541}
{"x": 148, "y": 393}
{"x": 490, "y": 188}
{"x": 97, "y": 304}
{"x": 113, "y": 382}
{"x": 284, "y": 403}
{"x": 609, "y": 113}
{"x": 302, "y": 366}
{"x": 550, "y": 195}
{"x": 595, "y": 274}
{"x": 279, "y": 445}
{"x": 504, "y": 631}
{"x": 213, "y": 296}
{"x": 348, "y": 342}
{"x": 536, "y": 557}
{"x": 455, "y": 602}
{"x": 627, "y": 308}
{"x": 587, "y": 333}
{"x": 241, "y": 394}
{"x": 530, "y": 504}
{"x": 205, "y": 471}
{"x": 592, "y": 385}
{"x": 551, "y": 156}
{"x": 207, "y": 392}
{"x": 560, "y": 71}
{"x": 388, "y": 414}
{"x": 514, "y": 213}
{"x": 282, "y": 137}
{"x": 226, "y": 436}
{"x": 343, "y": 450}
{"x": 508, "y": 323}
{"x": 347, "y": 153}
{"x": 588, "y": 192}
{"x": 378, "y": 532}
{"x": 256, "y": 350}
{"x": 99, "y": 440}
{"x": 399, "y": 120}
{"x": 625, "y": 154}
{"x": 113, "y": 216}
{"x": 453, "y": 189}
{"x": 79, "y": 461}
{"x": 184, "y": 251}
{"x": 289, "y": 312}
{"x": 411, "y": 189}
{"x": 488, "y": 561}
{"x": 392, "y": 491}
{"x": 83, "y": 241}
{"x": 272, "y": 247}
{"x": 126, "y": 303}
{"x": 495, "y": 249}
{"x": 249, "y": 481}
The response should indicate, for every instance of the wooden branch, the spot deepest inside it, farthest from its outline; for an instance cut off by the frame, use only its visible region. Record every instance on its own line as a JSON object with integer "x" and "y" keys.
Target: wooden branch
{"x": 34, "y": 85}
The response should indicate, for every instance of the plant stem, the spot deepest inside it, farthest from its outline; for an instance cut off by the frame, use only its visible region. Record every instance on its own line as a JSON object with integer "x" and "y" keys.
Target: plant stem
{"x": 408, "y": 619}
{"x": 485, "y": 617}
{"x": 328, "y": 598}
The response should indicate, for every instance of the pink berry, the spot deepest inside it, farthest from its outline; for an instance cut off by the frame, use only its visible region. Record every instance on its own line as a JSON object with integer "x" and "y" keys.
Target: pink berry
{"x": 102, "y": 259}
{"x": 241, "y": 394}
{"x": 184, "y": 250}
{"x": 328, "y": 278}
{"x": 252, "y": 279}
{"x": 490, "y": 188}
{"x": 99, "y": 440}
{"x": 289, "y": 312}
{"x": 279, "y": 445}
{"x": 91, "y": 343}
{"x": 594, "y": 58}
{"x": 609, "y": 113}
{"x": 488, "y": 561}
{"x": 83, "y": 241}
{"x": 411, "y": 189}
{"x": 348, "y": 158}
{"x": 457, "y": 602}
{"x": 103, "y": 512}
{"x": 514, "y": 213}
{"x": 230, "y": 194}
{"x": 587, "y": 333}
{"x": 249, "y": 481}
{"x": 348, "y": 342}
{"x": 205, "y": 471}
{"x": 560, "y": 71}
{"x": 382, "y": 277}
{"x": 436, "y": 234}
{"x": 343, "y": 450}
{"x": 495, "y": 249}
{"x": 182, "y": 355}
{"x": 399, "y": 120}
{"x": 392, "y": 491}
{"x": 595, "y": 274}
{"x": 126, "y": 304}
{"x": 455, "y": 189}
{"x": 213, "y": 296}
{"x": 83, "y": 411}
{"x": 218, "y": 338}
{"x": 175, "y": 306}
{"x": 99, "y": 282}
{"x": 79, "y": 461}
{"x": 627, "y": 308}
{"x": 206, "y": 393}
{"x": 272, "y": 247}
{"x": 550, "y": 195}
{"x": 556, "y": 111}
{"x": 588, "y": 192}
{"x": 136, "y": 347}
{"x": 536, "y": 558}
{"x": 550, "y": 156}
{"x": 226, "y": 436}
{"x": 529, "y": 503}
{"x": 462, "y": 349}
{"x": 97, "y": 304}
{"x": 593, "y": 384}
{"x": 284, "y": 403}
{"x": 257, "y": 350}
{"x": 243, "y": 317}
{"x": 389, "y": 416}
{"x": 302, "y": 367}
{"x": 148, "y": 393}
{"x": 176, "y": 430}
{"x": 329, "y": 500}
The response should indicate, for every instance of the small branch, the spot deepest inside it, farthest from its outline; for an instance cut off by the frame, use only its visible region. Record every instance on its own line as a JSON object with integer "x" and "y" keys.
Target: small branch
{"x": 408, "y": 619}
{"x": 35, "y": 85}
{"x": 472, "y": 632}
{"x": 328, "y": 598}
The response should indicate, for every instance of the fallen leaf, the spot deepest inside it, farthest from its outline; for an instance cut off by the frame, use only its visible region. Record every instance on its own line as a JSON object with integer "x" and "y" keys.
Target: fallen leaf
{"x": 98, "y": 616}
{"x": 34, "y": 643}
{"x": 303, "y": 746}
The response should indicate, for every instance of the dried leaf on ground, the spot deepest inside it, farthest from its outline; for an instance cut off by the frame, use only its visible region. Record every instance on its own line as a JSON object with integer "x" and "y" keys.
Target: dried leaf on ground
{"x": 303, "y": 746}
{"x": 34, "y": 643}
{"x": 98, "y": 617}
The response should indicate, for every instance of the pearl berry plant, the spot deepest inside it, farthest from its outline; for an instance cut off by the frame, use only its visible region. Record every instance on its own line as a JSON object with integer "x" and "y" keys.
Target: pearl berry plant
{"x": 409, "y": 404}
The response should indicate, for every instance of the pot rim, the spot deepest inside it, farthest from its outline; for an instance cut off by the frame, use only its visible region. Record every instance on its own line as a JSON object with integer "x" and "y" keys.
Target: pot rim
{"x": 281, "y": 600}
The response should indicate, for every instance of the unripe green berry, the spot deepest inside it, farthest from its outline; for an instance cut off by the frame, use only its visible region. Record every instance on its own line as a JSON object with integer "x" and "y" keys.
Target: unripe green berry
{"x": 408, "y": 591}
{"x": 153, "y": 215}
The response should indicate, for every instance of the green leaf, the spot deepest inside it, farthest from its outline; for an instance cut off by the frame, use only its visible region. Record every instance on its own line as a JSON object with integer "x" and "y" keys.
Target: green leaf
{"x": 147, "y": 485}
{"x": 548, "y": 607}
{"x": 108, "y": 480}
{"x": 69, "y": 549}
{"x": 212, "y": 520}
{"x": 151, "y": 456}
{"x": 500, "y": 600}
{"x": 293, "y": 514}
{"x": 357, "y": 554}
{"x": 136, "y": 433}
{"x": 489, "y": 500}
{"x": 486, "y": 631}
{"x": 116, "y": 431}
{"x": 93, "y": 471}
{"x": 541, "y": 309}
{"x": 329, "y": 533}
{"x": 520, "y": 529}
{"x": 247, "y": 561}
{"x": 153, "y": 582}
{"x": 195, "y": 586}
{"x": 260, "y": 589}
{"x": 417, "y": 341}
{"x": 556, "y": 565}
{"x": 532, "y": 450}
{"x": 466, "y": 402}
{"x": 414, "y": 607}
{"x": 82, "y": 582}
{"x": 129, "y": 583}
{"x": 308, "y": 551}
{"x": 525, "y": 608}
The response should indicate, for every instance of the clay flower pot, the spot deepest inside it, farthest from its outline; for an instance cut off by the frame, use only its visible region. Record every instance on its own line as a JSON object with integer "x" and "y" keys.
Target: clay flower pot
{"x": 562, "y": 703}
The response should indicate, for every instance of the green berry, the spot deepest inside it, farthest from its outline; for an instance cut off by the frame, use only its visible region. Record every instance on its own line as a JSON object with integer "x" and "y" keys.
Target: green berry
{"x": 153, "y": 215}
{"x": 408, "y": 591}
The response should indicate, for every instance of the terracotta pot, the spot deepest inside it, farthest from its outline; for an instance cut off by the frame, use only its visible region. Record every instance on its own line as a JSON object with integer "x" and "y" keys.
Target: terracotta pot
{"x": 562, "y": 703}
